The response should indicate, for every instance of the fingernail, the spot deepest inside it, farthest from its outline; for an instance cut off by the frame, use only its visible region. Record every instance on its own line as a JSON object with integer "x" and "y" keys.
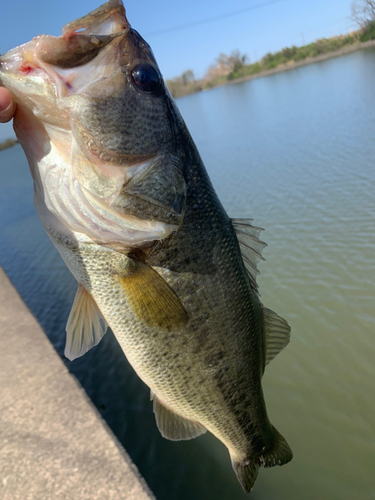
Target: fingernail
{"x": 6, "y": 113}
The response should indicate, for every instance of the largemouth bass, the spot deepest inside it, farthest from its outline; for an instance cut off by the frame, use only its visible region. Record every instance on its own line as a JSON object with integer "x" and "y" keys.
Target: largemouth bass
{"x": 123, "y": 194}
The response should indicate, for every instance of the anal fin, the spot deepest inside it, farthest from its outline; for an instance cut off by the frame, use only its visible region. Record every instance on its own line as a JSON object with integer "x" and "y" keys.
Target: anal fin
{"x": 85, "y": 327}
{"x": 174, "y": 427}
{"x": 246, "y": 472}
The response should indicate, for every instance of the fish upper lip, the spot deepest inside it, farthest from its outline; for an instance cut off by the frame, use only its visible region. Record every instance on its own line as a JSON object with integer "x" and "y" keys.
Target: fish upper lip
{"x": 112, "y": 11}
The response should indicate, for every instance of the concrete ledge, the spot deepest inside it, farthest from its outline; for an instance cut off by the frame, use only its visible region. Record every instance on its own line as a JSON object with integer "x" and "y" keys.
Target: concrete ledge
{"x": 53, "y": 442}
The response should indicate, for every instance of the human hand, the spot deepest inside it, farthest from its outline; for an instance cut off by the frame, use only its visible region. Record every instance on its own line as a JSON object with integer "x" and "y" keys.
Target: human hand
{"x": 7, "y": 105}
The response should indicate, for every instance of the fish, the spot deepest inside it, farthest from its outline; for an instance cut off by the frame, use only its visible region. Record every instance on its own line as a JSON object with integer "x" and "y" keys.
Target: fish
{"x": 123, "y": 194}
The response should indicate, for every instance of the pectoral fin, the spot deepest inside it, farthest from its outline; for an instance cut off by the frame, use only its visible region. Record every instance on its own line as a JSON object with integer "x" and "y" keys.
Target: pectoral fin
{"x": 174, "y": 427}
{"x": 151, "y": 298}
{"x": 85, "y": 327}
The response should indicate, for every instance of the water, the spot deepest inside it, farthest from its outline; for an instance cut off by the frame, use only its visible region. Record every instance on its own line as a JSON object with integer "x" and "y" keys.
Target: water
{"x": 295, "y": 151}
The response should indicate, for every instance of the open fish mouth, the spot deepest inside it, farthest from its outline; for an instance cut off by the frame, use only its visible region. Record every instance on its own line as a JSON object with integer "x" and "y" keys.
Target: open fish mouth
{"x": 50, "y": 60}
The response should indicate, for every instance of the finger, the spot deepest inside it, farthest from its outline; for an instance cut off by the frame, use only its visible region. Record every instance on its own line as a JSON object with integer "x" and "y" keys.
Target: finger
{"x": 7, "y": 105}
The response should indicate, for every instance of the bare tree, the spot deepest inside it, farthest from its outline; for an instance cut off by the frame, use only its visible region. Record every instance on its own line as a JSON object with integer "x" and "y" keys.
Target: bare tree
{"x": 188, "y": 76}
{"x": 233, "y": 62}
{"x": 363, "y": 12}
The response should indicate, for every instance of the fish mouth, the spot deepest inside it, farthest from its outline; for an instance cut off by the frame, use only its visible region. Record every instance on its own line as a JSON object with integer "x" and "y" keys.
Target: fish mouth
{"x": 80, "y": 42}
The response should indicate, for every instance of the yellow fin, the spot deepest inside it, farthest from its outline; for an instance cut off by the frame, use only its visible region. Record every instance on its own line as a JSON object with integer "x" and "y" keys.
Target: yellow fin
{"x": 151, "y": 298}
{"x": 85, "y": 327}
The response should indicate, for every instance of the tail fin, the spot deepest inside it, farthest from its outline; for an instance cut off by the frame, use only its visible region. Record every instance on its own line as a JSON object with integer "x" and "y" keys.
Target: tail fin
{"x": 279, "y": 454}
{"x": 246, "y": 473}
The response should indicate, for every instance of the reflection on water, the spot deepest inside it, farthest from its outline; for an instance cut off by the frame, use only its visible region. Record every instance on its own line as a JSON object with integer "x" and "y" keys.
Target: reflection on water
{"x": 295, "y": 151}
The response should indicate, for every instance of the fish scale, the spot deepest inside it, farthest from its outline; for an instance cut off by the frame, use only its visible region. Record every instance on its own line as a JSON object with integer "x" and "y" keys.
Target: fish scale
{"x": 126, "y": 200}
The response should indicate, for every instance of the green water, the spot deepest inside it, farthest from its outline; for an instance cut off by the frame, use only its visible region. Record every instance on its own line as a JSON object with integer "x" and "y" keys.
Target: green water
{"x": 296, "y": 152}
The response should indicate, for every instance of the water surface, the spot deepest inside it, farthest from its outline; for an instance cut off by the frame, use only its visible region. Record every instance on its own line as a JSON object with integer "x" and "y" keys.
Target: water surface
{"x": 295, "y": 151}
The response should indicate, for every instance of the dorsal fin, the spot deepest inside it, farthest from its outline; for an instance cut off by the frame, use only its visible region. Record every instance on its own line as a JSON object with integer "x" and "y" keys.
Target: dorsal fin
{"x": 251, "y": 246}
{"x": 85, "y": 327}
{"x": 277, "y": 333}
{"x": 277, "y": 330}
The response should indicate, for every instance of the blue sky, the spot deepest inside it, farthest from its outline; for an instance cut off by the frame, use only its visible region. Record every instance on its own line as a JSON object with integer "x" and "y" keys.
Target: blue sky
{"x": 266, "y": 26}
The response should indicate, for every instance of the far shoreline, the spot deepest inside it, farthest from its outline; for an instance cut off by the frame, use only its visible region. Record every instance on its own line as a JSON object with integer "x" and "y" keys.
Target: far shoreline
{"x": 294, "y": 65}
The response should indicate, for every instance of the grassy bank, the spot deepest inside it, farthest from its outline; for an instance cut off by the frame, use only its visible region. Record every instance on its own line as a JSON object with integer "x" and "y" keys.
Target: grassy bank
{"x": 303, "y": 62}
{"x": 286, "y": 58}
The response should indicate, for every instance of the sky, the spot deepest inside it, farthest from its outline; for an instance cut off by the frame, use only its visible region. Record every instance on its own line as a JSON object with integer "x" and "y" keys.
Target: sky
{"x": 189, "y": 35}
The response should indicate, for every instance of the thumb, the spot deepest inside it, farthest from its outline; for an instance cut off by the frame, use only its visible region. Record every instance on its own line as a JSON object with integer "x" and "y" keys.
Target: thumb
{"x": 7, "y": 105}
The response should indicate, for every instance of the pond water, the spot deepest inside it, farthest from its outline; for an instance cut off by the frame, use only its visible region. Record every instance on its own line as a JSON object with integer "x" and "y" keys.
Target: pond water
{"x": 296, "y": 152}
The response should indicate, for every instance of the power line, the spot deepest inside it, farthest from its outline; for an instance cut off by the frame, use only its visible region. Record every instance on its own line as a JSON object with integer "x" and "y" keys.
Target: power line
{"x": 210, "y": 19}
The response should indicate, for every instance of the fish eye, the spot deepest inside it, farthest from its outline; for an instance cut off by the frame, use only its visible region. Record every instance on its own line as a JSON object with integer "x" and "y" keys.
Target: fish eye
{"x": 146, "y": 78}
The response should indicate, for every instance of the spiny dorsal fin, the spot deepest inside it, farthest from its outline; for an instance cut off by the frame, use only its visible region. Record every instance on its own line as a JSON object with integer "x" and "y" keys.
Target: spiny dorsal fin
{"x": 174, "y": 427}
{"x": 85, "y": 327}
{"x": 277, "y": 333}
{"x": 251, "y": 246}
{"x": 151, "y": 298}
